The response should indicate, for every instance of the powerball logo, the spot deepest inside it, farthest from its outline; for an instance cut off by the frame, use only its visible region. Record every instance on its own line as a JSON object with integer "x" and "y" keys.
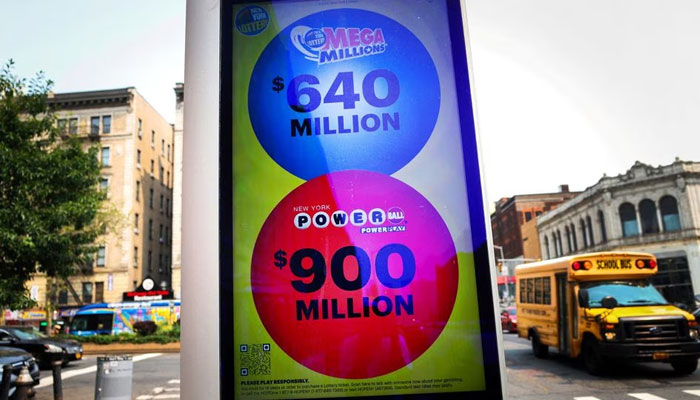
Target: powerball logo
{"x": 328, "y": 45}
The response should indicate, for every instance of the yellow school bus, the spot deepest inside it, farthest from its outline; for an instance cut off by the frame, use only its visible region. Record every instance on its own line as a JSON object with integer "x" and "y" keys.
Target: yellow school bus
{"x": 601, "y": 307}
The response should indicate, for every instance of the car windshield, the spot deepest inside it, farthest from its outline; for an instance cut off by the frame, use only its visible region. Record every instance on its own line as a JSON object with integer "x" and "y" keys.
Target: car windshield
{"x": 25, "y": 334}
{"x": 627, "y": 293}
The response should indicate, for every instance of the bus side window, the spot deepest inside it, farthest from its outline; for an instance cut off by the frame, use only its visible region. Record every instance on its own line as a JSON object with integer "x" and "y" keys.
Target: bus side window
{"x": 531, "y": 291}
{"x": 523, "y": 291}
{"x": 547, "y": 290}
{"x": 538, "y": 291}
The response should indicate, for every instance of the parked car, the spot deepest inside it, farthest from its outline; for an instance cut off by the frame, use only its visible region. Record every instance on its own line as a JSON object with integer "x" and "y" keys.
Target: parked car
{"x": 18, "y": 358}
{"x": 40, "y": 345}
{"x": 697, "y": 312}
{"x": 509, "y": 321}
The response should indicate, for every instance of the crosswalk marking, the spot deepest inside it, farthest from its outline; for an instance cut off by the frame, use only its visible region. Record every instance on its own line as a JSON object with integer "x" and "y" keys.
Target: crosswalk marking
{"x": 162, "y": 392}
{"x": 693, "y": 392}
{"x": 645, "y": 396}
{"x": 174, "y": 381}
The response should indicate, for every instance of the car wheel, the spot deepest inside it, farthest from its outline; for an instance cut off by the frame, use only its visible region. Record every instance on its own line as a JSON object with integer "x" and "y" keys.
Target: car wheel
{"x": 685, "y": 366}
{"x": 592, "y": 359}
{"x": 538, "y": 349}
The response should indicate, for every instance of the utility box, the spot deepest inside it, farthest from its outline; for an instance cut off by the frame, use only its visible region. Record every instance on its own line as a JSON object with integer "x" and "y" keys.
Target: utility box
{"x": 114, "y": 378}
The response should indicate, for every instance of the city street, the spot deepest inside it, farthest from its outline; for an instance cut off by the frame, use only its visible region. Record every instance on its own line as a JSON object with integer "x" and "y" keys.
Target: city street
{"x": 562, "y": 378}
{"x": 156, "y": 376}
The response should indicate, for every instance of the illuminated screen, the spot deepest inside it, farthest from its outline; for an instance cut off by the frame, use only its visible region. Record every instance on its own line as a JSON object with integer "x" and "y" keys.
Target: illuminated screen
{"x": 357, "y": 261}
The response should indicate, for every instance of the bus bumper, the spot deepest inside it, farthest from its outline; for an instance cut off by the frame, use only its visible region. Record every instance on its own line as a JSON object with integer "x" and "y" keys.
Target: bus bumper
{"x": 650, "y": 351}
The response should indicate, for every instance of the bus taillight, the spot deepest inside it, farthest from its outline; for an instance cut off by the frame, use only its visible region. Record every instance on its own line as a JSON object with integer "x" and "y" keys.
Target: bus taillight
{"x": 576, "y": 266}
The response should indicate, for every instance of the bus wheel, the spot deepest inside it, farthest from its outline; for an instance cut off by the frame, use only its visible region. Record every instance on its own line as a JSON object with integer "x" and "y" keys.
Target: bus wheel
{"x": 538, "y": 349}
{"x": 592, "y": 359}
{"x": 685, "y": 366}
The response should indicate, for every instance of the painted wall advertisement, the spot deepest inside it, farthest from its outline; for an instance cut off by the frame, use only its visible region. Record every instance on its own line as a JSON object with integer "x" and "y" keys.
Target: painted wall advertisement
{"x": 353, "y": 256}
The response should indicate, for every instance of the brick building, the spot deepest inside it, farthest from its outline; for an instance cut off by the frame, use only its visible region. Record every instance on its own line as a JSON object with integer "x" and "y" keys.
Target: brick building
{"x": 136, "y": 152}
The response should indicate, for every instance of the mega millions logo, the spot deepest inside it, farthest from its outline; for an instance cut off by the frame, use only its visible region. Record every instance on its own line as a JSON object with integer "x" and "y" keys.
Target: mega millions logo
{"x": 328, "y": 45}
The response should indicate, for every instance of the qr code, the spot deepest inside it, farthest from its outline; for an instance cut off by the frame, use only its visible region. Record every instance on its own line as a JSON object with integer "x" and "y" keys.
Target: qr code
{"x": 255, "y": 359}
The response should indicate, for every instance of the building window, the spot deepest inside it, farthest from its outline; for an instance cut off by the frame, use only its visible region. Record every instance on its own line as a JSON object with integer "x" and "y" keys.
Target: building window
{"x": 573, "y": 237}
{"x": 150, "y": 197}
{"x": 150, "y": 228}
{"x": 554, "y": 244}
{"x": 546, "y": 247}
{"x": 63, "y": 297}
{"x": 106, "y": 124}
{"x": 161, "y": 175}
{"x": 138, "y": 190}
{"x": 161, "y": 204}
{"x": 62, "y": 125}
{"x": 168, "y": 153}
{"x": 568, "y": 239}
{"x": 94, "y": 125}
{"x": 647, "y": 213}
{"x": 87, "y": 292}
{"x": 99, "y": 292}
{"x": 136, "y": 222}
{"x": 73, "y": 126}
{"x": 105, "y": 157}
{"x": 160, "y": 263}
{"x": 140, "y": 128}
{"x": 162, "y": 146}
{"x": 167, "y": 181}
{"x": 104, "y": 184}
{"x": 150, "y": 262}
{"x": 538, "y": 213}
{"x": 160, "y": 233}
{"x": 153, "y": 138}
{"x": 101, "y": 253}
{"x": 138, "y": 157}
{"x": 167, "y": 235}
{"x": 669, "y": 214}
{"x": 528, "y": 216}
{"x": 589, "y": 227}
{"x": 167, "y": 207}
{"x": 628, "y": 218}
{"x": 153, "y": 168}
{"x": 584, "y": 234}
{"x": 601, "y": 223}
{"x": 136, "y": 256}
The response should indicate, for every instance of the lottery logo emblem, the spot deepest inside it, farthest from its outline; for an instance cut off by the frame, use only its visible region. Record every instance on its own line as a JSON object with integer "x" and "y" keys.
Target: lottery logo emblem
{"x": 346, "y": 268}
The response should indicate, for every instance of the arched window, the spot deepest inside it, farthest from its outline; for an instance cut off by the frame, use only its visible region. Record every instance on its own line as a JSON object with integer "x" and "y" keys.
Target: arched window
{"x": 669, "y": 214}
{"x": 568, "y": 240}
{"x": 561, "y": 247}
{"x": 546, "y": 246}
{"x": 584, "y": 235}
{"x": 554, "y": 244}
{"x": 628, "y": 218}
{"x": 573, "y": 237}
{"x": 601, "y": 223}
{"x": 589, "y": 227}
{"x": 647, "y": 213}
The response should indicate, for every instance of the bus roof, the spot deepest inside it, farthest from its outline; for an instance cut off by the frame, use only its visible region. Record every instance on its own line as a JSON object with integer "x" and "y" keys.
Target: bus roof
{"x": 133, "y": 304}
{"x": 563, "y": 264}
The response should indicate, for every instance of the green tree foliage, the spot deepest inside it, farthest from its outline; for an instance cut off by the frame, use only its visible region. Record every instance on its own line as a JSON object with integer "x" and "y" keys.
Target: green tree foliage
{"x": 50, "y": 201}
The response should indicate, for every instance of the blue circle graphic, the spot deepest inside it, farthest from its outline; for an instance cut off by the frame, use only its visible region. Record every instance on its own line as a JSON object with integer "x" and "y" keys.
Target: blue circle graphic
{"x": 344, "y": 89}
{"x": 252, "y": 20}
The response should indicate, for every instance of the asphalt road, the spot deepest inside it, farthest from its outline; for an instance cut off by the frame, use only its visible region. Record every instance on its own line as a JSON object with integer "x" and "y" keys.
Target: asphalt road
{"x": 155, "y": 376}
{"x": 559, "y": 377}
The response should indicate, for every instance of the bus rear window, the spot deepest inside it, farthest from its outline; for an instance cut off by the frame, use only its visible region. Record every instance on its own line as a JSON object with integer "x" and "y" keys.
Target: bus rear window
{"x": 92, "y": 322}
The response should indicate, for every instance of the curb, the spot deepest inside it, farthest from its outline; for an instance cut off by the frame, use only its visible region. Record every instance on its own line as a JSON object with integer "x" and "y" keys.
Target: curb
{"x": 129, "y": 348}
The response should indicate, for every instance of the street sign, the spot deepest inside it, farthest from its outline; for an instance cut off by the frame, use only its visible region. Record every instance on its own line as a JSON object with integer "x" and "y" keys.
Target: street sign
{"x": 354, "y": 259}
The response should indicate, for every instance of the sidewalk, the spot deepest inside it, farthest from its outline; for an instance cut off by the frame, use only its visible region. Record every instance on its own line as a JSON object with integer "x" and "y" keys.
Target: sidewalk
{"x": 130, "y": 348}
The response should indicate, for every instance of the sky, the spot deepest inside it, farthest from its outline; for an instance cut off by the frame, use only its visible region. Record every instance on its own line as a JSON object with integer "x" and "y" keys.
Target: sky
{"x": 566, "y": 91}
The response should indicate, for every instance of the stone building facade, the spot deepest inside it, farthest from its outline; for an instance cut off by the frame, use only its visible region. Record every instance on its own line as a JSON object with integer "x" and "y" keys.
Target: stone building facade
{"x": 177, "y": 189}
{"x": 136, "y": 151}
{"x": 647, "y": 209}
